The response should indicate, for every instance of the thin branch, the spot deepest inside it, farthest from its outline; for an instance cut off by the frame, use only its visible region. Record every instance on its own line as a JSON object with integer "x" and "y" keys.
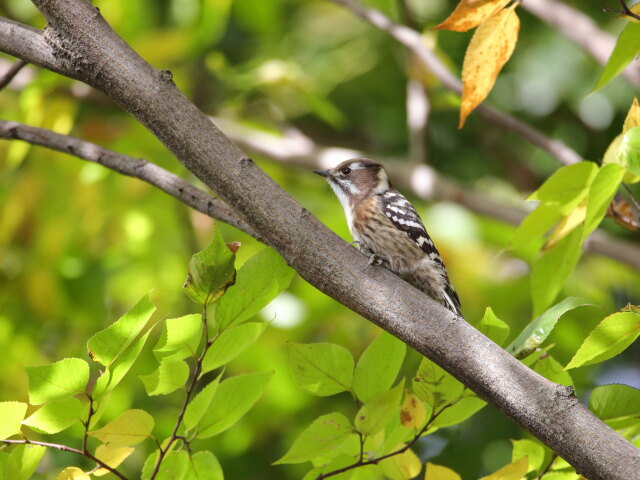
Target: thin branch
{"x": 11, "y": 73}
{"x": 66, "y": 448}
{"x": 87, "y": 424}
{"x": 547, "y": 467}
{"x": 130, "y": 166}
{"x": 413, "y": 41}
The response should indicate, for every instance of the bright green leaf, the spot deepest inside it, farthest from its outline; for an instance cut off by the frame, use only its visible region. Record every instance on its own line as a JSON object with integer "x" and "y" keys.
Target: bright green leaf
{"x": 112, "y": 457}
{"x": 322, "y": 369}
{"x": 435, "y": 386}
{"x": 459, "y": 412}
{"x": 180, "y": 338}
{"x": 233, "y": 398}
{"x": 438, "y": 472}
{"x": 604, "y": 187}
{"x": 174, "y": 466}
{"x": 551, "y": 369}
{"x": 168, "y": 377}
{"x": 567, "y": 186}
{"x": 149, "y": 464}
{"x": 211, "y": 271}
{"x": 492, "y": 327}
{"x": 200, "y": 404}
{"x": 539, "y": 329}
{"x": 129, "y": 429}
{"x": 374, "y": 415}
{"x": 610, "y": 337}
{"x": 73, "y": 473}
{"x": 530, "y": 449}
{"x": 260, "y": 280}
{"x": 23, "y": 461}
{"x": 629, "y": 151}
{"x": 618, "y": 405}
{"x": 535, "y": 225}
{"x": 11, "y": 416}
{"x": 324, "y": 435}
{"x": 401, "y": 467}
{"x": 513, "y": 471}
{"x": 378, "y": 366}
{"x": 57, "y": 380}
{"x": 627, "y": 48}
{"x": 204, "y": 466}
{"x": 57, "y": 415}
{"x": 107, "y": 345}
{"x": 231, "y": 343}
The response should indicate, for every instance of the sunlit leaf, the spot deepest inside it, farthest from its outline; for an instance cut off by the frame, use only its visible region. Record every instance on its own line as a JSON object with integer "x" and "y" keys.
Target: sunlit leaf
{"x": 536, "y": 224}
{"x": 489, "y": 49}
{"x": 129, "y": 429}
{"x": 567, "y": 187}
{"x": 438, "y": 472}
{"x": 57, "y": 415}
{"x": 610, "y": 337}
{"x": 435, "y": 386}
{"x": 378, "y": 366}
{"x": 322, "y": 369}
{"x": 11, "y": 416}
{"x": 107, "y": 345}
{"x": 534, "y": 452}
{"x": 539, "y": 329}
{"x": 513, "y": 471}
{"x": 57, "y": 380}
{"x": 180, "y": 337}
{"x": 603, "y": 188}
{"x": 204, "y": 466}
{"x": 413, "y": 414}
{"x": 112, "y": 457}
{"x": 551, "y": 369}
{"x": 23, "y": 461}
{"x": 460, "y": 411}
{"x": 174, "y": 466}
{"x": 168, "y": 377}
{"x": 492, "y": 327}
{"x": 211, "y": 271}
{"x": 374, "y": 415}
{"x": 629, "y": 151}
{"x": 324, "y": 435}
{"x": 199, "y": 405}
{"x": 73, "y": 473}
{"x": 469, "y": 14}
{"x": 618, "y": 405}
{"x": 627, "y": 48}
{"x": 231, "y": 343}
{"x": 567, "y": 224}
{"x": 401, "y": 467}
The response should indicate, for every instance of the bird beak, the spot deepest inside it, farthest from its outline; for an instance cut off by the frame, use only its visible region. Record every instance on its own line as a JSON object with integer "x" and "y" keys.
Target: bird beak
{"x": 322, "y": 173}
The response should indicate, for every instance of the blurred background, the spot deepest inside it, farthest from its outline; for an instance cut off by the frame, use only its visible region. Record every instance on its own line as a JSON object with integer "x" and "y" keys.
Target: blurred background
{"x": 79, "y": 244}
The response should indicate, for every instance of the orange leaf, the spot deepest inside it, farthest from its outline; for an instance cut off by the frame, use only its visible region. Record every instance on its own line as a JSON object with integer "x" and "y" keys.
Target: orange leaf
{"x": 489, "y": 49}
{"x": 471, "y": 13}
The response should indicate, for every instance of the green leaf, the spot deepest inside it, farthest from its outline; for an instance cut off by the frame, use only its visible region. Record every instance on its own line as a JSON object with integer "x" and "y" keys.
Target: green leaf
{"x": 232, "y": 343}
{"x": 403, "y": 466}
{"x": 618, "y": 405}
{"x": 204, "y": 466}
{"x": 260, "y": 280}
{"x": 530, "y": 449}
{"x": 535, "y": 225}
{"x": 57, "y": 416}
{"x": 11, "y": 416}
{"x": 232, "y": 400}
{"x": 627, "y": 48}
{"x": 57, "y": 380}
{"x": 107, "y": 345}
{"x": 493, "y": 328}
{"x": 114, "y": 374}
{"x": 149, "y": 464}
{"x": 174, "y": 466}
{"x": 604, "y": 187}
{"x": 629, "y": 151}
{"x": 211, "y": 271}
{"x": 610, "y": 337}
{"x": 552, "y": 267}
{"x": 438, "y": 472}
{"x": 539, "y": 329}
{"x": 23, "y": 461}
{"x": 112, "y": 457}
{"x": 129, "y": 429}
{"x": 374, "y": 415}
{"x": 180, "y": 338}
{"x": 326, "y": 434}
{"x": 460, "y": 411}
{"x": 200, "y": 404}
{"x": 567, "y": 186}
{"x": 378, "y": 366}
{"x": 168, "y": 377}
{"x": 551, "y": 369}
{"x": 322, "y": 369}
{"x": 435, "y": 386}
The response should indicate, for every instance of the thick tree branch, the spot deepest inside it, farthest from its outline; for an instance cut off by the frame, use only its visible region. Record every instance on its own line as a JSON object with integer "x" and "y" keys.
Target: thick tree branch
{"x": 412, "y": 40}
{"x": 130, "y": 166}
{"x": 549, "y": 411}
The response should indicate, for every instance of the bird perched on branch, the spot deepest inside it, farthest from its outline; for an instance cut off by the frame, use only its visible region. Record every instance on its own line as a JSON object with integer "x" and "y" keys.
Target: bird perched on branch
{"x": 387, "y": 228}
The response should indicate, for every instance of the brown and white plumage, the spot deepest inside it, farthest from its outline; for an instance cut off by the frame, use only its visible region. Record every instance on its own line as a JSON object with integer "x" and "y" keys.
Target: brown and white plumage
{"x": 387, "y": 227}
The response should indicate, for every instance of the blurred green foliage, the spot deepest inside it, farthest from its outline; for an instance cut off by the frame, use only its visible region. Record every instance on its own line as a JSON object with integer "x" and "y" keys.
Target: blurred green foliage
{"x": 80, "y": 244}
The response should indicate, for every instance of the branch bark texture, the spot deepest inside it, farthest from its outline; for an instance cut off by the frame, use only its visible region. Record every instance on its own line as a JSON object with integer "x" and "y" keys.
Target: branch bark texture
{"x": 85, "y": 47}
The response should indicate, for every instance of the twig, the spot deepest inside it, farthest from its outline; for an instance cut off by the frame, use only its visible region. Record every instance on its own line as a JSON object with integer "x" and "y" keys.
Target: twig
{"x": 625, "y": 11}
{"x": 375, "y": 461}
{"x": 66, "y": 448}
{"x": 87, "y": 423}
{"x": 12, "y": 72}
{"x": 548, "y": 467}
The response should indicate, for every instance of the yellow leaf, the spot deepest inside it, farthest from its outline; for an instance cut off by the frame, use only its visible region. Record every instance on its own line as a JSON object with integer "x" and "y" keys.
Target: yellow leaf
{"x": 401, "y": 467}
{"x": 130, "y": 428}
{"x": 567, "y": 224}
{"x": 112, "y": 457}
{"x": 491, "y": 46}
{"x": 438, "y": 472}
{"x": 73, "y": 473}
{"x": 635, "y": 9}
{"x": 469, "y": 14}
{"x": 513, "y": 471}
{"x": 633, "y": 117}
{"x": 412, "y": 414}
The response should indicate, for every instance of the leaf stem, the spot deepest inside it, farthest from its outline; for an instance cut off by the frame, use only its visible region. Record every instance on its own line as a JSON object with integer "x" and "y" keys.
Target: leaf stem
{"x": 66, "y": 448}
{"x": 87, "y": 423}
{"x": 548, "y": 467}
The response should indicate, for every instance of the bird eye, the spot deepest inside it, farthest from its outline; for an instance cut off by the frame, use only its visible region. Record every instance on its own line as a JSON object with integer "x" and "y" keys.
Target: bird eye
{"x": 345, "y": 170}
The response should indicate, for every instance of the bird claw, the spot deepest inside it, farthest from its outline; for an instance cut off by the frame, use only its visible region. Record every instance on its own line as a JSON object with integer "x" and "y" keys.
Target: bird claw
{"x": 373, "y": 260}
